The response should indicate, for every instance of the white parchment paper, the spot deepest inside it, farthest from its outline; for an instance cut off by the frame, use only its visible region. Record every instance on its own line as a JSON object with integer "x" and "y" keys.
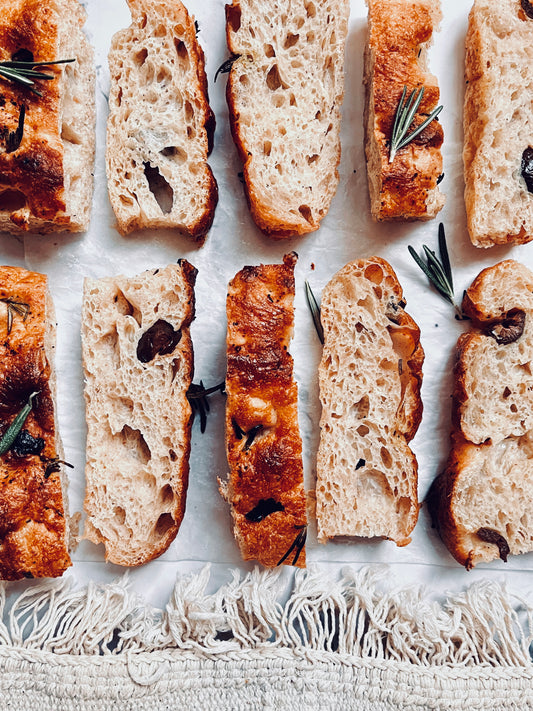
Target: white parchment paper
{"x": 346, "y": 233}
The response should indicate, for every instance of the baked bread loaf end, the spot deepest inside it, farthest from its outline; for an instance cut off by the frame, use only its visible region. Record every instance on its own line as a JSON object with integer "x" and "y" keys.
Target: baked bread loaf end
{"x": 264, "y": 449}
{"x": 284, "y": 95}
{"x": 160, "y": 125}
{"x": 369, "y": 377}
{"x": 399, "y": 33}
{"x": 482, "y": 502}
{"x": 34, "y": 526}
{"x": 46, "y": 182}
{"x": 138, "y": 361}
{"x": 498, "y": 123}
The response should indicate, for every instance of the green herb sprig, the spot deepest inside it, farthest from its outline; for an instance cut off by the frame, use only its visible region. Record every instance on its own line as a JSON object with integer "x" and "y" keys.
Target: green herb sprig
{"x": 10, "y": 435}
{"x": 15, "y": 307}
{"x": 14, "y": 138}
{"x": 24, "y": 72}
{"x": 226, "y": 66}
{"x": 438, "y": 272}
{"x": 197, "y": 396}
{"x": 403, "y": 119}
{"x": 297, "y": 546}
{"x": 315, "y": 310}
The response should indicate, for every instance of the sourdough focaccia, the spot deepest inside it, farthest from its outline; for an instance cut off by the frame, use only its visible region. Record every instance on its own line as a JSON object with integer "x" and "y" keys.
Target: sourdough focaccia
{"x": 482, "y": 503}
{"x": 34, "y": 528}
{"x": 399, "y": 33}
{"x": 138, "y": 362}
{"x": 264, "y": 449}
{"x": 370, "y": 377}
{"x": 46, "y": 182}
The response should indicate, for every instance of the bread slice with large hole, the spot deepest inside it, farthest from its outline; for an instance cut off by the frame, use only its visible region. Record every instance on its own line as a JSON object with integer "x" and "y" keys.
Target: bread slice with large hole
{"x": 46, "y": 184}
{"x": 160, "y": 125}
{"x": 482, "y": 502}
{"x": 369, "y": 376}
{"x": 284, "y": 93}
{"x": 138, "y": 363}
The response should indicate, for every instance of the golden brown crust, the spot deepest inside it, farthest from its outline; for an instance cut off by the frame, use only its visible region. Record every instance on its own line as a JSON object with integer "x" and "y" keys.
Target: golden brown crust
{"x": 262, "y": 398}
{"x": 33, "y": 530}
{"x": 403, "y": 189}
{"x": 35, "y": 169}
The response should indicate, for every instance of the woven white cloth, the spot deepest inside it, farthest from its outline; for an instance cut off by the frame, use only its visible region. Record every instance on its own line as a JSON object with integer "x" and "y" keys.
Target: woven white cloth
{"x": 348, "y": 643}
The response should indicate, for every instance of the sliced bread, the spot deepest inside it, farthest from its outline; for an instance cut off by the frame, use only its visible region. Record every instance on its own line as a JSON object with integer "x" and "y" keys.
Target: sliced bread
{"x": 498, "y": 123}
{"x": 482, "y": 502}
{"x": 284, "y": 93}
{"x": 46, "y": 182}
{"x": 399, "y": 34}
{"x": 160, "y": 125}
{"x": 369, "y": 377}
{"x": 138, "y": 363}
{"x": 264, "y": 448}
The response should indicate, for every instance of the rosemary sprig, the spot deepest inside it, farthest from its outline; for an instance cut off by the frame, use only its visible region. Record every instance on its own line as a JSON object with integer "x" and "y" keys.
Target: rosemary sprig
{"x": 226, "y": 66}
{"x": 24, "y": 72}
{"x": 15, "y": 307}
{"x": 14, "y": 138}
{"x": 197, "y": 396}
{"x": 298, "y": 544}
{"x": 10, "y": 435}
{"x": 438, "y": 272}
{"x": 315, "y": 310}
{"x": 403, "y": 119}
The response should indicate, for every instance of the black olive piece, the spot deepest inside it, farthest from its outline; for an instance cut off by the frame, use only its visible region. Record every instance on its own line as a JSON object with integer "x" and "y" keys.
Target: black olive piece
{"x": 489, "y": 535}
{"x": 159, "y": 339}
{"x": 527, "y": 166}
{"x": 527, "y": 7}
{"x": 360, "y": 463}
{"x": 264, "y": 508}
{"x": 510, "y": 328}
{"x": 25, "y": 444}
{"x": 252, "y": 434}
{"x": 391, "y": 311}
{"x": 440, "y": 178}
{"x": 22, "y": 55}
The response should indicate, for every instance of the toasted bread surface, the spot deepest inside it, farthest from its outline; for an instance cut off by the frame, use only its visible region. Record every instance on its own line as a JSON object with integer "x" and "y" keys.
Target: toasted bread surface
{"x": 264, "y": 449}
{"x": 369, "y": 376}
{"x": 33, "y": 508}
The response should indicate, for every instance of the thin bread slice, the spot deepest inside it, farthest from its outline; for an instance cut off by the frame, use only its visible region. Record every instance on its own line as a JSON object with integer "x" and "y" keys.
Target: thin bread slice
{"x": 46, "y": 183}
{"x": 34, "y": 527}
{"x": 399, "y": 34}
{"x": 498, "y": 123}
{"x": 369, "y": 377}
{"x": 138, "y": 362}
{"x": 284, "y": 93}
{"x": 264, "y": 448}
{"x": 160, "y": 125}
{"x": 482, "y": 502}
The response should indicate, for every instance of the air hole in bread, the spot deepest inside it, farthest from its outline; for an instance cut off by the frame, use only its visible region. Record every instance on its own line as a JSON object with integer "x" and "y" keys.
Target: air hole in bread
{"x": 140, "y": 57}
{"x": 310, "y": 9}
{"x": 310, "y": 37}
{"x": 119, "y": 515}
{"x": 163, "y": 75}
{"x": 123, "y": 306}
{"x": 292, "y": 100}
{"x": 305, "y": 212}
{"x": 160, "y": 31}
{"x": 119, "y": 96}
{"x": 374, "y": 483}
{"x": 142, "y": 20}
{"x": 182, "y": 53}
{"x": 290, "y": 40}
{"x": 126, "y": 200}
{"x": 11, "y": 200}
{"x": 69, "y": 135}
{"x": 178, "y": 155}
{"x": 506, "y": 393}
{"x": 135, "y": 444}
{"x": 164, "y": 523}
{"x": 361, "y": 409}
{"x": 189, "y": 112}
{"x": 386, "y": 457}
{"x": 244, "y": 80}
{"x": 233, "y": 17}
{"x": 167, "y": 496}
{"x": 267, "y": 147}
{"x": 160, "y": 188}
{"x": 173, "y": 456}
{"x": 312, "y": 159}
{"x": 274, "y": 80}
{"x": 269, "y": 50}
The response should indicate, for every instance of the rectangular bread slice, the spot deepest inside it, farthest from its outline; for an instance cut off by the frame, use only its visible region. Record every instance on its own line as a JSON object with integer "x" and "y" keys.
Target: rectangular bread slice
{"x": 138, "y": 362}
{"x": 284, "y": 94}
{"x": 498, "y": 123}
{"x": 264, "y": 449}
{"x": 46, "y": 183}
{"x": 160, "y": 125}
{"x": 34, "y": 526}
{"x": 482, "y": 502}
{"x": 369, "y": 377}
{"x": 399, "y": 34}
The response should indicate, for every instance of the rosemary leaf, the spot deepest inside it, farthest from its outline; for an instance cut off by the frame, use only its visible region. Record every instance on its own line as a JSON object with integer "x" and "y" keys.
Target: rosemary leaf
{"x": 298, "y": 544}
{"x": 15, "y": 307}
{"x": 226, "y": 66}
{"x": 24, "y": 73}
{"x": 405, "y": 114}
{"x": 14, "y": 428}
{"x": 14, "y": 138}
{"x": 444, "y": 256}
{"x": 197, "y": 396}
{"x": 315, "y": 310}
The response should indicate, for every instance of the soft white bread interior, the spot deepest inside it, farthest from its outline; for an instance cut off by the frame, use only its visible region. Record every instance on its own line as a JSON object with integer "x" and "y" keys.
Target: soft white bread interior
{"x": 160, "y": 124}
{"x": 498, "y": 123}
{"x": 284, "y": 94}
{"x": 369, "y": 376}
{"x": 138, "y": 362}
{"x": 482, "y": 502}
